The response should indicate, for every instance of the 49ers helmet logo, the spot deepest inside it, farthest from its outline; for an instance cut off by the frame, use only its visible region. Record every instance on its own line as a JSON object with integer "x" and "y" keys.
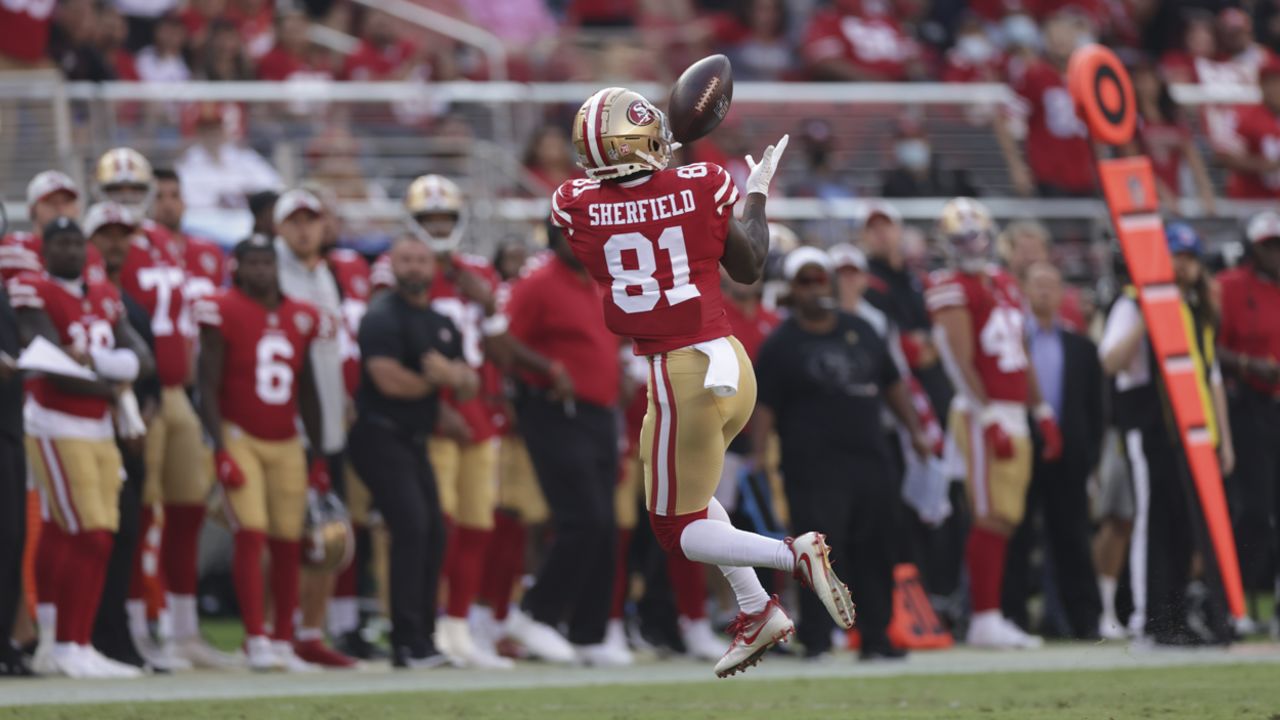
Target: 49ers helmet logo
{"x": 639, "y": 113}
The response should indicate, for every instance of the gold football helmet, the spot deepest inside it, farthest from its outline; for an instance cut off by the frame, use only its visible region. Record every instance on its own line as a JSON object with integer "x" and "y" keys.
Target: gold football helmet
{"x": 436, "y": 195}
{"x": 617, "y": 132}
{"x": 328, "y": 540}
{"x": 968, "y": 233}
{"x": 123, "y": 175}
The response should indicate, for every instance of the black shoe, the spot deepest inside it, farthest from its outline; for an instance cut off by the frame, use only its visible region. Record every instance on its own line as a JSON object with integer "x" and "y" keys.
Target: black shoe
{"x": 355, "y": 644}
{"x": 406, "y": 659}
{"x": 881, "y": 653}
{"x": 13, "y": 663}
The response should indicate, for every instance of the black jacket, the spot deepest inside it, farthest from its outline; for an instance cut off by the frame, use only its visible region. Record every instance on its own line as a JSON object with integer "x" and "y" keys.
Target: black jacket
{"x": 1082, "y": 420}
{"x": 11, "y": 391}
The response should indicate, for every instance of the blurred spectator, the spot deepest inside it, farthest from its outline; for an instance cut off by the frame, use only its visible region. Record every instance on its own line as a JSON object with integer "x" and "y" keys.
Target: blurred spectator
{"x": 24, "y": 34}
{"x": 384, "y": 55}
{"x": 292, "y": 57}
{"x": 916, "y": 171}
{"x": 1056, "y": 142}
{"x": 757, "y": 40}
{"x": 143, "y": 17}
{"x": 1164, "y": 136}
{"x": 602, "y": 13}
{"x": 973, "y": 57}
{"x": 255, "y": 19}
{"x": 1255, "y": 164}
{"x": 217, "y": 172}
{"x": 510, "y": 258}
{"x": 71, "y": 39}
{"x": 1249, "y": 346}
{"x": 164, "y": 61}
{"x": 1199, "y": 44}
{"x": 821, "y": 178}
{"x": 1022, "y": 245}
{"x": 223, "y": 57}
{"x": 860, "y": 40}
{"x": 112, "y": 33}
{"x": 519, "y": 23}
{"x": 262, "y": 206}
{"x": 198, "y": 16}
{"x": 1062, "y": 360}
{"x": 336, "y": 157}
{"x": 549, "y": 157}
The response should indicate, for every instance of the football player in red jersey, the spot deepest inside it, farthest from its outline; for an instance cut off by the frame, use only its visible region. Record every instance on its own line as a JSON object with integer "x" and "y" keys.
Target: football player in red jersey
{"x": 255, "y": 380}
{"x": 654, "y": 238}
{"x": 201, "y": 259}
{"x": 50, "y": 195}
{"x": 71, "y": 442}
{"x": 977, "y": 312}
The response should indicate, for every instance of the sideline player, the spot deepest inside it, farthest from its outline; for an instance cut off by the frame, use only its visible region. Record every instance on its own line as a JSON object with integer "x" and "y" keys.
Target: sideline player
{"x": 654, "y": 238}
{"x": 255, "y": 380}
{"x": 71, "y": 441}
{"x": 977, "y": 312}
{"x": 50, "y": 195}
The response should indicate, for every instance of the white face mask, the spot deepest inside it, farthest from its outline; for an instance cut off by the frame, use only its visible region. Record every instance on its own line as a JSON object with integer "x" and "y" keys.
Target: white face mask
{"x": 1021, "y": 31}
{"x": 912, "y": 154}
{"x": 975, "y": 48}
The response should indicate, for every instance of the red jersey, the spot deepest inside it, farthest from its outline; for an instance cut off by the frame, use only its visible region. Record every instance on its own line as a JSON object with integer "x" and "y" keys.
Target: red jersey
{"x": 751, "y": 330}
{"x": 1259, "y": 131}
{"x": 263, "y": 356}
{"x": 351, "y": 271}
{"x": 24, "y": 29}
{"x": 203, "y": 262}
{"x": 995, "y": 310}
{"x": 1056, "y": 139}
{"x": 875, "y": 44}
{"x": 154, "y": 281}
{"x": 280, "y": 64}
{"x": 371, "y": 63}
{"x": 1163, "y": 143}
{"x": 655, "y": 248}
{"x": 85, "y": 315}
{"x": 468, "y": 316}
{"x": 1250, "y": 324}
{"x": 20, "y": 252}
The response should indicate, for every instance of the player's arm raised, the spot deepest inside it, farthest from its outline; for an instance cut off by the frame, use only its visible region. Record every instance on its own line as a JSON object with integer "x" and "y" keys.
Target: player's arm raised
{"x": 747, "y": 245}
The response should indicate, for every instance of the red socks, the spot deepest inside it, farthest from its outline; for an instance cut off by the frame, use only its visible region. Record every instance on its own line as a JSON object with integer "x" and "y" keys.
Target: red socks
{"x": 286, "y": 564}
{"x": 985, "y": 557}
{"x": 504, "y": 562}
{"x": 467, "y": 548}
{"x": 620, "y": 574}
{"x": 179, "y": 545}
{"x": 83, "y": 571}
{"x": 51, "y": 554}
{"x": 689, "y": 581}
{"x": 246, "y": 572}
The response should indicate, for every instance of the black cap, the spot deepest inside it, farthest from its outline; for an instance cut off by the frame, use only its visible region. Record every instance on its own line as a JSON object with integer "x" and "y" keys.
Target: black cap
{"x": 61, "y": 225}
{"x": 248, "y": 245}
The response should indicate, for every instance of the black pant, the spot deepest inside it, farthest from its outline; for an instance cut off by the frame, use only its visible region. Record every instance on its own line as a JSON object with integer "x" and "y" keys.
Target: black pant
{"x": 1253, "y": 491}
{"x": 13, "y": 530}
{"x": 849, "y": 497}
{"x": 403, "y": 487}
{"x": 576, "y": 460}
{"x": 1059, "y": 498}
{"x": 111, "y": 625}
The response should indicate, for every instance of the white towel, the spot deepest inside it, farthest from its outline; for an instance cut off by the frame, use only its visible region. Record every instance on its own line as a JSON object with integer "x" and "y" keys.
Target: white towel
{"x": 722, "y": 371}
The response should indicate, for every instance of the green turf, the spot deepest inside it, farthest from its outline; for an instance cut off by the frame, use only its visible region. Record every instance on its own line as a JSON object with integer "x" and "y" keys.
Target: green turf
{"x": 1241, "y": 692}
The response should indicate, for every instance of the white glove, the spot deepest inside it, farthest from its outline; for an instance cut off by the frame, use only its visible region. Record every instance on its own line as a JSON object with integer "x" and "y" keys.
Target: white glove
{"x": 762, "y": 172}
{"x": 128, "y": 417}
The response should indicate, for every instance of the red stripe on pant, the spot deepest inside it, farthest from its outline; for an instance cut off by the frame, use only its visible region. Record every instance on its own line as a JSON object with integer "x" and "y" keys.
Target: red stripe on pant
{"x": 672, "y": 434}
{"x": 655, "y": 459}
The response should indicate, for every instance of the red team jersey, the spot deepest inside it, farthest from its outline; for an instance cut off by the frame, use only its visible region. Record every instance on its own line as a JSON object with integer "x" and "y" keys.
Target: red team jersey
{"x": 872, "y": 42}
{"x": 264, "y": 353}
{"x": 204, "y": 264}
{"x": 24, "y": 29}
{"x": 995, "y": 310}
{"x": 351, "y": 271}
{"x": 1056, "y": 139}
{"x": 655, "y": 248}
{"x": 85, "y": 315}
{"x": 1259, "y": 132}
{"x": 20, "y": 252}
{"x": 151, "y": 279}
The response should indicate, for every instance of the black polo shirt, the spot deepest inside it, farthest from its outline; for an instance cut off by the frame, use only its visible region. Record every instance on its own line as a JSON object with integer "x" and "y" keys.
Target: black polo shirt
{"x": 395, "y": 329}
{"x": 826, "y": 390}
{"x": 11, "y": 391}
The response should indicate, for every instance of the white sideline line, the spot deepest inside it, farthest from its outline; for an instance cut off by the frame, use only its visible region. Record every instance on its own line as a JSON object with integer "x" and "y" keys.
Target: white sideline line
{"x": 380, "y": 679}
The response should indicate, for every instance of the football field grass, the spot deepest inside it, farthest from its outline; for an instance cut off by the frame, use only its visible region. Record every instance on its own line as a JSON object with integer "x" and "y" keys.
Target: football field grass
{"x": 1219, "y": 692}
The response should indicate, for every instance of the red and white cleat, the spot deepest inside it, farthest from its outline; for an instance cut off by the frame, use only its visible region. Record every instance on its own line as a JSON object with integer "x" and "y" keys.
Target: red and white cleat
{"x": 753, "y": 635}
{"x": 317, "y": 653}
{"x": 813, "y": 570}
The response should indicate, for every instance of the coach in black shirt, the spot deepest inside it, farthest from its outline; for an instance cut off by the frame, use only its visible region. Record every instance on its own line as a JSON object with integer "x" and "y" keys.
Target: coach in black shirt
{"x": 13, "y": 488}
{"x": 408, "y": 354}
{"x": 824, "y": 379}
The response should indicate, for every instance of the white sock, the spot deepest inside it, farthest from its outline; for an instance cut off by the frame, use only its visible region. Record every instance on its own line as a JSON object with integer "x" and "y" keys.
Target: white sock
{"x": 717, "y": 542}
{"x": 718, "y": 539}
{"x": 343, "y": 615}
{"x": 137, "y": 612}
{"x": 164, "y": 625}
{"x": 306, "y": 634}
{"x": 182, "y": 612}
{"x": 1107, "y": 589}
{"x": 47, "y": 623}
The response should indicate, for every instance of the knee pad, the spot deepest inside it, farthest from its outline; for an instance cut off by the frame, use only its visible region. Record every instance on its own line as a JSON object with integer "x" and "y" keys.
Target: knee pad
{"x": 668, "y": 528}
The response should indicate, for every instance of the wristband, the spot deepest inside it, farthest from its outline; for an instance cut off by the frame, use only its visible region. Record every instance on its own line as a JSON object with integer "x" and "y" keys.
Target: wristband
{"x": 1044, "y": 411}
{"x": 115, "y": 364}
{"x": 494, "y": 325}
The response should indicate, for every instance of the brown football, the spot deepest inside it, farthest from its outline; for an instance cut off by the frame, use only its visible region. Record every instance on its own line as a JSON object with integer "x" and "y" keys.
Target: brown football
{"x": 700, "y": 98}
